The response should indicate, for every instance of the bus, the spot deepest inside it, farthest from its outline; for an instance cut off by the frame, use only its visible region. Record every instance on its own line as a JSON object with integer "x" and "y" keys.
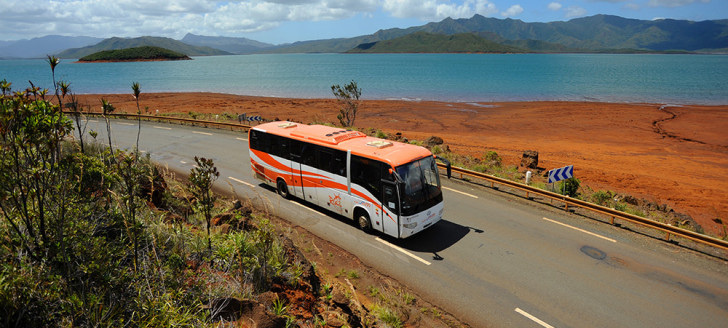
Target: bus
{"x": 382, "y": 185}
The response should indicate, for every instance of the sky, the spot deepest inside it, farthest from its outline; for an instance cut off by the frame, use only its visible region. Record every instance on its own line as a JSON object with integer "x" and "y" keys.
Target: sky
{"x": 287, "y": 21}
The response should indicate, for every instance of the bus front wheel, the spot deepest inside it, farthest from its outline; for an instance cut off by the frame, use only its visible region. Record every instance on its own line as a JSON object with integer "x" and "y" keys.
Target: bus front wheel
{"x": 282, "y": 188}
{"x": 364, "y": 223}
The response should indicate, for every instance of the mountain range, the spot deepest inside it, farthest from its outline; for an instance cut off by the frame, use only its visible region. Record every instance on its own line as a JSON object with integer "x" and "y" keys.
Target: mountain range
{"x": 589, "y": 34}
{"x": 40, "y": 47}
{"x": 599, "y": 33}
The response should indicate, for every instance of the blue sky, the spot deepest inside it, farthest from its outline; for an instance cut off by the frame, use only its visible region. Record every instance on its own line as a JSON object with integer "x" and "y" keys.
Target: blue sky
{"x": 285, "y": 21}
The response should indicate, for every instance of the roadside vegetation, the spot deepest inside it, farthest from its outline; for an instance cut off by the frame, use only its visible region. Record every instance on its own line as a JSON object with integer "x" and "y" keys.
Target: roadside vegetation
{"x": 98, "y": 237}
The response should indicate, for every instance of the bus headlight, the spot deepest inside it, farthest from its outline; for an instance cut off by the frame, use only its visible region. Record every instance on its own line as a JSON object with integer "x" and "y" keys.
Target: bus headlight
{"x": 410, "y": 225}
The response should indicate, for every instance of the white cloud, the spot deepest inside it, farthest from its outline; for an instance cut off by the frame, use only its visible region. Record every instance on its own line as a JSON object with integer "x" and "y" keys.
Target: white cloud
{"x": 514, "y": 10}
{"x": 554, "y": 6}
{"x": 575, "y": 11}
{"x": 174, "y": 18}
{"x": 430, "y": 10}
{"x": 673, "y": 3}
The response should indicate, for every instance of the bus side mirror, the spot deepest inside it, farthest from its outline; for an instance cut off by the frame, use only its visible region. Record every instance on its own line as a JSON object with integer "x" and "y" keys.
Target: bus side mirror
{"x": 447, "y": 165}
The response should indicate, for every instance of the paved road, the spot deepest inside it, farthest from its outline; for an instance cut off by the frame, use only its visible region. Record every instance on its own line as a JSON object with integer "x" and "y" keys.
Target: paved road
{"x": 495, "y": 260}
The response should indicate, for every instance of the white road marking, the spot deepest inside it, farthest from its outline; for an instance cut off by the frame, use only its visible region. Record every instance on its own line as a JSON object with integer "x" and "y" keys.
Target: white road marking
{"x": 310, "y": 209}
{"x": 183, "y": 162}
{"x": 205, "y": 133}
{"x": 243, "y": 182}
{"x": 242, "y": 139}
{"x": 123, "y": 123}
{"x": 534, "y": 319}
{"x": 161, "y": 127}
{"x": 403, "y": 251}
{"x": 460, "y": 192}
{"x": 582, "y": 230}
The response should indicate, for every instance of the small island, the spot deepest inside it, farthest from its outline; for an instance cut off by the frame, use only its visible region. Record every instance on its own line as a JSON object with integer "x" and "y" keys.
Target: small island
{"x": 146, "y": 53}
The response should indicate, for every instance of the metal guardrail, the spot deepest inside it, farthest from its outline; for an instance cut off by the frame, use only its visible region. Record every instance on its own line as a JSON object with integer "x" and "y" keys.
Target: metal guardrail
{"x": 614, "y": 214}
{"x": 568, "y": 201}
{"x": 157, "y": 118}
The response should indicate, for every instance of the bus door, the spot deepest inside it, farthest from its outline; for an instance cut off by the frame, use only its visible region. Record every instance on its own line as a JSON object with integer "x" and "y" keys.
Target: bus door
{"x": 390, "y": 208}
{"x": 308, "y": 172}
{"x": 297, "y": 176}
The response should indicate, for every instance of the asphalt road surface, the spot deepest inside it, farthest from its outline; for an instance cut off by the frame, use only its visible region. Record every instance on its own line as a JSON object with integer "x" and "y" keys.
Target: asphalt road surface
{"x": 494, "y": 260}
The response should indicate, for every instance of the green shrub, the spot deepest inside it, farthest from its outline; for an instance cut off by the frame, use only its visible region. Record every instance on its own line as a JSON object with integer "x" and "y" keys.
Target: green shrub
{"x": 569, "y": 187}
{"x": 492, "y": 158}
{"x": 635, "y": 211}
{"x": 388, "y": 316}
{"x": 601, "y": 197}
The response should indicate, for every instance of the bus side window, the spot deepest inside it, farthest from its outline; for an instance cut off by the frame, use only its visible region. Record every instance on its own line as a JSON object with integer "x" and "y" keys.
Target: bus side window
{"x": 385, "y": 173}
{"x": 259, "y": 141}
{"x": 367, "y": 173}
{"x": 390, "y": 196}
{"x": 308, "y": 155}
{"x": 339, "y": 163}
{"x": 279, "y": 146}
{"x": 324, "y": 159}
{"x": 295, "y": 150}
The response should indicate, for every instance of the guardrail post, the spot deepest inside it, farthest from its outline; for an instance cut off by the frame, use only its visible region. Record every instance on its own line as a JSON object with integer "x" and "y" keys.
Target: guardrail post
{"x": 611, "y": 221}
{"x": 667, "y": 236}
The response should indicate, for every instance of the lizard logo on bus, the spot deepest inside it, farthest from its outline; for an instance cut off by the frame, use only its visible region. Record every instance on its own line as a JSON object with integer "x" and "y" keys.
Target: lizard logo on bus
{"x": 335, "y": 201}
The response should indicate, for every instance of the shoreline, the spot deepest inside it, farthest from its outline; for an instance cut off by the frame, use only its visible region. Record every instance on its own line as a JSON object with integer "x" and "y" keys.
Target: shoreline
{"x": 674, "y": 155}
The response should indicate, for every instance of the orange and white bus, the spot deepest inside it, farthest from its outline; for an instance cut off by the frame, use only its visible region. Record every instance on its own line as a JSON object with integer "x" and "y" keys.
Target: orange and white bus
{"x": 388, "y": 186}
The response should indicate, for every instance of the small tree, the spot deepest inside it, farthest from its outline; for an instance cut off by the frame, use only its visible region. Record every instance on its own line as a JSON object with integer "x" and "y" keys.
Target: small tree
{"x": 348, "y": 97}
{"x": 108, "y": 108}
{"x": 136, "y": 89}
{"x": 202, "y": 177}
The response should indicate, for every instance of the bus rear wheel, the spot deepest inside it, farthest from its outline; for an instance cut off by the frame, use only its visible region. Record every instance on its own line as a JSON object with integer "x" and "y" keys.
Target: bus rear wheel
{"x": 364, "y": 223}
{"x": 282, "y": 188}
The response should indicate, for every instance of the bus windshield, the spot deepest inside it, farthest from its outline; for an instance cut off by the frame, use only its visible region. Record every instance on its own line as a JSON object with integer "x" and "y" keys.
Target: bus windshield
{"x": 421, "y": 185}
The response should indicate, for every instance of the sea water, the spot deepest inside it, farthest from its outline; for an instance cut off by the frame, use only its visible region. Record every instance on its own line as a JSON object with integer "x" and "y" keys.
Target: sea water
{"x": 654, "y": 78}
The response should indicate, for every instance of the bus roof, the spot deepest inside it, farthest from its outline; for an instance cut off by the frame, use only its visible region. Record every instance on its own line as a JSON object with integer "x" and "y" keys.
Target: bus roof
{"x": 392, "y": 152}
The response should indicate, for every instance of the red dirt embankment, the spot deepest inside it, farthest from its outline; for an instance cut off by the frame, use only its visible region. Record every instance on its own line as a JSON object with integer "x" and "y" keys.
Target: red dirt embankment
{"x": 672, "y": 155}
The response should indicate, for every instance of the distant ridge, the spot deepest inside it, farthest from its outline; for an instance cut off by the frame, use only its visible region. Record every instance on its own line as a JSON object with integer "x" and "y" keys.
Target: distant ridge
{"x": 116, "y": 43}
{"x": 424, "y": 42}
{"x": 599, "y": 33}
{"x": 43, "y": 46}
{"x": 233, "y": 45}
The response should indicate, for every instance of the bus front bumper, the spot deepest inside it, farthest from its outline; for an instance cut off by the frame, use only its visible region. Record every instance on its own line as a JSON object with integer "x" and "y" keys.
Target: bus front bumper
{"x": 416, "y": 223}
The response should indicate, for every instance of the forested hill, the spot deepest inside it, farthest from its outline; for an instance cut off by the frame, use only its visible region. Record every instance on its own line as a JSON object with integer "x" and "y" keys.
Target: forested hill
{"x": 135, "y": 54}
{"x": 123, "y": 43}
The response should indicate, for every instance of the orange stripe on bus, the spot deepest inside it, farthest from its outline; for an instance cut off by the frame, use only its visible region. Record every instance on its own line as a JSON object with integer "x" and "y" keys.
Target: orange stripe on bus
{"x": 268, "y": 159}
